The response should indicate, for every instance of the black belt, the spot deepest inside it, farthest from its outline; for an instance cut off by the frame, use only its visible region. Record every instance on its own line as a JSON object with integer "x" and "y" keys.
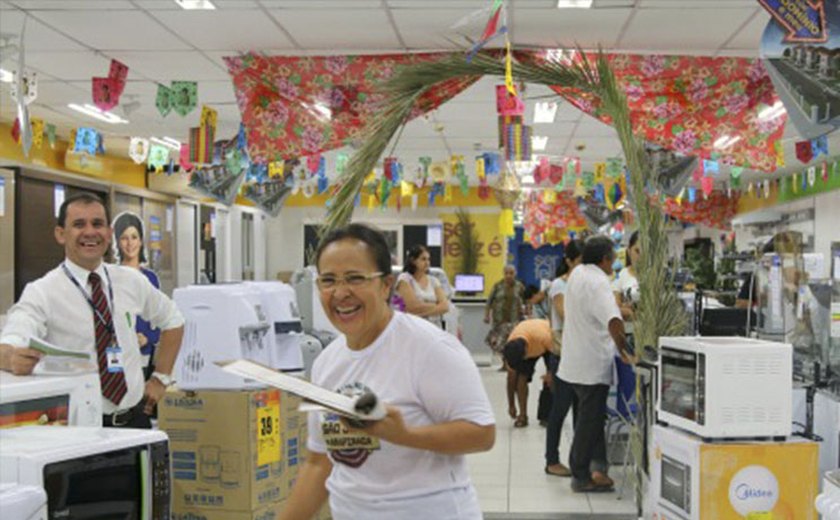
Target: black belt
{"x": 122, "y": 417}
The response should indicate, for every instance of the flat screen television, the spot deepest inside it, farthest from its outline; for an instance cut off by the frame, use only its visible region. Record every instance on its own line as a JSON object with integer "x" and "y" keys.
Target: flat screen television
{"x": 469, "y": 283}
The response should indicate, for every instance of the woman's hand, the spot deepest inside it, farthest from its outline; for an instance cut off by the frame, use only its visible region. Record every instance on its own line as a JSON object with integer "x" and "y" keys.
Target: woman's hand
{"x": 142, "y": 340}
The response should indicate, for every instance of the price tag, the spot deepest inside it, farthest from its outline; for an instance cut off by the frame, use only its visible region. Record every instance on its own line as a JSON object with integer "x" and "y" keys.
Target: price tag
{"x": 268, "y": 435}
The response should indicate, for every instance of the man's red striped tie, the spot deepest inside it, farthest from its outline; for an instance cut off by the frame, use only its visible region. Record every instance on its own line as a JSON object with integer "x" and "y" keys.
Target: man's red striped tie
{"x": 113, "y": 383}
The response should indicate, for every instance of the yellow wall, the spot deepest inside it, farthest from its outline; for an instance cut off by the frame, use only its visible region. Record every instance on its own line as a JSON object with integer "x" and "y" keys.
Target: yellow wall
{"x": 108, "y": 168}
{"x": 491, "y": 247}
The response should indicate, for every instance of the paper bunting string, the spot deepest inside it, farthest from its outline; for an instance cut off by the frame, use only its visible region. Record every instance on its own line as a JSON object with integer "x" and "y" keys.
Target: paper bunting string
{"x": 600, "y": 172}
{"x": 158, "y": 157}
{"x": 569, "y": 180}
{"x": 15, "y": 131}
{"x": 480, "y": 173}
{"x": 27, "y": 91}
{"x": 203, "y": 137}
{"x": 812, "y": 176}
{"x": 341, "y": 161}
{"x": 162, "y": 100}
{"x": 824, "y": 171}
{"x": 780, "y": 154}
{"x": 439, "y": 172}
{"x": 509, "y": 69}
{"x": 508, "y": 104}
{"x": 613, "y": 168}
{"x": 735, "y": 176}
{"x": 87, "y": 141}
{"x": 384, "y": 192}
{"x": 549, "y": 196}
{"x": 588, "y": 180}
{"x": 275, "y": 170}
{"x": 183, "y": 96}
{"x": 819, "y": 146}
{"x": 138, "y": 149}
{"x": 106, "y": 93}
{"x": 51, "y": 135}
{"x": 707, "y": 184}
{"x": 492, "y": 163}
{"x": 578, "y": 166}
{"x": 484, "y": 192}
{"x": 447, "y": 193}
{"x": 766, "y": 189}
{"x": 692, "y": 194}
{"x": 119, "y": 72}
{"x": 37, "y": 132}
{"x": 580, "y": 190}
{"x": 491, "y": 30}
{"x": 710, "y": 168}
{"x": 323, "y": 183}
{"x": 184, "y": 158}
{"x": 506, "y": 223}
{"x": 234, "y": 161}
{"x": 804, "y": 182}
{"x": 794, "y": 184}
{"x": 406, "y": 189}
{"x": 312, "y": 163}
{"x": 804, "y": 151}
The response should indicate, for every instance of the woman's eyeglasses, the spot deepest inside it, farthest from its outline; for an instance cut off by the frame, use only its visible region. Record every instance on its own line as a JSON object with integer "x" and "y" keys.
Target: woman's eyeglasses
{"x": 329, "y": 282}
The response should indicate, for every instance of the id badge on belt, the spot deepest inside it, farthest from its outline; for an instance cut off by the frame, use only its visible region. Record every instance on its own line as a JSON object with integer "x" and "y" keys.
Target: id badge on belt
{"x": 114, "y": 355}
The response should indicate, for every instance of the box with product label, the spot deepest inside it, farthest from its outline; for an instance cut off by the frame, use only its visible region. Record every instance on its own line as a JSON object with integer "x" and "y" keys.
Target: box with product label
{"x": 271, "y": 512}
{"x": 229, "y": 448}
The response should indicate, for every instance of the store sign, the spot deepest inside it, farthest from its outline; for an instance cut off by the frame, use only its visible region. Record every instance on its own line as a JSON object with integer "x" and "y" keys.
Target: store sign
{"x": 753, "y": 489}
{"x": 799, "y": 48}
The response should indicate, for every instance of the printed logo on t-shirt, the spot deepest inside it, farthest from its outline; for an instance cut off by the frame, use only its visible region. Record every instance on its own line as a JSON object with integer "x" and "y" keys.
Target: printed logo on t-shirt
{"x": 351, "y": 448}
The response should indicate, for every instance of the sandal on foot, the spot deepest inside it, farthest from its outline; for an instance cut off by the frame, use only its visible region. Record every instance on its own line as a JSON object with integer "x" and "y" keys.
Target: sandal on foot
{"x": 558, "y": 470}
{"x": 521, "y": 422}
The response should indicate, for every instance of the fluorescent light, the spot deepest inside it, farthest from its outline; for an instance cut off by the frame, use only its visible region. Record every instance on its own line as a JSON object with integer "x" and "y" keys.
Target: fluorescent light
{"x": 574, "y": 4}
{"x": 92, "y": 111}
{"x": 191, "y": 5}
{"x": 6, "y": 76}
{"x": 725, "y": 141}
{"x": 166, "y": 142}
{"x": 538, "y": 143}
{"x": 544, "y": 111}
{"x": 772, "y": 112}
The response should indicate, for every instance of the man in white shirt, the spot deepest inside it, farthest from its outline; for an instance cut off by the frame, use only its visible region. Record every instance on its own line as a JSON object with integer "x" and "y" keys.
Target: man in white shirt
{"x": 87, "y": 306}
{"x": 592, "y": 331}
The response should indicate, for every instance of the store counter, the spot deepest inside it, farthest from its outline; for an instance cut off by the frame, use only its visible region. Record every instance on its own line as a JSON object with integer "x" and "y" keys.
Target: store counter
{"x": 826, "y": 424}
{"x": 473, "y": 328}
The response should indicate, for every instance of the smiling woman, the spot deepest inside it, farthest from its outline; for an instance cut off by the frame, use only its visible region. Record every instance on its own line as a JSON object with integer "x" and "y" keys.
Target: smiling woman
{"x": 411, "y": 463}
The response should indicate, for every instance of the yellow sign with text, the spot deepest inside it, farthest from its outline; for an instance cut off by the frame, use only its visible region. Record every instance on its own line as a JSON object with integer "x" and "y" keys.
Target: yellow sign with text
{"x": 268, "y": 436}
{"x": 489, "y": 244}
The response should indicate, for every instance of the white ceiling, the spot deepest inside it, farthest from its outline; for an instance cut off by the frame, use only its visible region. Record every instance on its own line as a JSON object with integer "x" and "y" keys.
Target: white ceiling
{"x": 69, "y": 41}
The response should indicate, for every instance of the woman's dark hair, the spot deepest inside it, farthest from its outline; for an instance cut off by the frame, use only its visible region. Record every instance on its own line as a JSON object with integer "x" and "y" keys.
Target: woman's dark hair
{"x": 123, "y": 222}
{"x": 413, "y": 254}
{"x": 571, "y": 252}
{"x": 530, "y": 291}
{"x": 633, "y": 239}
{"x": 596, "y": 248}
{"x": 370, "y": 236}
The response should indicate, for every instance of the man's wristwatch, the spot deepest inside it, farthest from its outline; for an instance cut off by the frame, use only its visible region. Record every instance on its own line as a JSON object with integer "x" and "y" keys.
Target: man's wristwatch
{"x": 165, "y": 379}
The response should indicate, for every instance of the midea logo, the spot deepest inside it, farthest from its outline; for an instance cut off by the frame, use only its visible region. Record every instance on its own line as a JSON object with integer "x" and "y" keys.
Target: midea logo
{"x": 753, "y": 489}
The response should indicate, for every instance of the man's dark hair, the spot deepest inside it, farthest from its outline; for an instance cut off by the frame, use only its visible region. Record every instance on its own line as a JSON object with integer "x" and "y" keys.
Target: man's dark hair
{"x": 571, "y": 252}
{"x": 596, "y": 248}
{"x": 530, "y": 291}
{"x": 633, "y": 239}
{"x": 83, "y": 197}
{"x": 371, "y": 236}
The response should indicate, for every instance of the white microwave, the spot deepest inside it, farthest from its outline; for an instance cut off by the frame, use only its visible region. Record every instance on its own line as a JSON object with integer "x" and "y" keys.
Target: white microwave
{"x": 73, "y": 400}
{"x": 725, "y": 387}
{"x": 91, "y": 473}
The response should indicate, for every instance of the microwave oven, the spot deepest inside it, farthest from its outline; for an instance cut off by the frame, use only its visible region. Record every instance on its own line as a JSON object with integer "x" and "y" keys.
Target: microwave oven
{"x": 73, "y": 400}
{"x": 725, "y": 387}
{"x": 732, "y": 480}
{"x": 91, "y": 473}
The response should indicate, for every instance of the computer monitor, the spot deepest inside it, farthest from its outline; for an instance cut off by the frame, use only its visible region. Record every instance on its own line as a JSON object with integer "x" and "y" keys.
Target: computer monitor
{"x": 469, "y": 283}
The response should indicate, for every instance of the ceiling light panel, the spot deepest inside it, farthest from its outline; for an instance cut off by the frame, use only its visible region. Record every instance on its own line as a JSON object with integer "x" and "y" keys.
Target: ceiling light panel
{"x": 194, "y": 5}
{"x": 574, "y": 4}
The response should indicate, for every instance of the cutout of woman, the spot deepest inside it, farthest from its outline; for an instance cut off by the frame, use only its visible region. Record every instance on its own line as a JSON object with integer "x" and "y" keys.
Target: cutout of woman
{"x": 131, "y": 252}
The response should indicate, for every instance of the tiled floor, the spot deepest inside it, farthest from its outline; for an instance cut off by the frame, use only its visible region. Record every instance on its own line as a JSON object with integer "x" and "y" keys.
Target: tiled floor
{"x": 510, "y": 479}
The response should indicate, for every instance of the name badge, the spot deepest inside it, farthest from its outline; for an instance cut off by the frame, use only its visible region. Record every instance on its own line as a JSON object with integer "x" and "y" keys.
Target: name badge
{"x": 114, "y": 355}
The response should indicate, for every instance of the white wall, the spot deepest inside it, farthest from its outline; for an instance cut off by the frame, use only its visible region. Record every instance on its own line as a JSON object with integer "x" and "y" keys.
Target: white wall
{"x": 825, "y": 227}
{"x": 285, "y": 231}
{"x": 261, "y": 247}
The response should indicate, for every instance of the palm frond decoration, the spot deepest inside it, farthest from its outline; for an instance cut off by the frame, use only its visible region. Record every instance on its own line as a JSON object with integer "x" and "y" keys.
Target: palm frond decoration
{"x": 467, "y": 242}
{"x": 659, "y": 310}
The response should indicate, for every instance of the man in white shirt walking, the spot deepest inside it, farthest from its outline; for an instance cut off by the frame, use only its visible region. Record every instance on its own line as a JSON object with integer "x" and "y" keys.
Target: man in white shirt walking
{"x": 87, "y": 306}
{"x": 593, "y": 333}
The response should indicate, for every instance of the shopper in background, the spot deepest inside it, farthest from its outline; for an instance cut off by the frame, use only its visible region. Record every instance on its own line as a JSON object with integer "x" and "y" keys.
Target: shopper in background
{"x": 529, "y": 341}
{"x": 563, "y": 396}
{"x": 537, "y": 306}
{"x": 626, "y": 286}
{"x": 504, "y": 309}
{"x": 422, "y": 294}
{"x": 131, "y": 252}
{"x": 86, "y": 306}
{"x": 411, "y": 464}
{"x": 592, "y": 331}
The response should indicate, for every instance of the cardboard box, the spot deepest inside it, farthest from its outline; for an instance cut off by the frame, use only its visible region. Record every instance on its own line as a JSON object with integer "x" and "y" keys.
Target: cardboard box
{"x": 271, "y": 512}
{"x": 231, "y": 450}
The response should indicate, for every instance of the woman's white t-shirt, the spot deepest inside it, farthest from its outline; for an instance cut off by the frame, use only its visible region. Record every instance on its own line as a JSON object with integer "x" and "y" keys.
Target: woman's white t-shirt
{"x": 426, "y": 373}
{"x": 558, "y": 286}
{"x": 425, "y": 295}
{"x": 628, "y": 286}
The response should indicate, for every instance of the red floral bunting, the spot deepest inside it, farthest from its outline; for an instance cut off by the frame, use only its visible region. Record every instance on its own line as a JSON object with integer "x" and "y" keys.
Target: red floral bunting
{"x": 298, "y": 106}
{"x": 716, "y": 211}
